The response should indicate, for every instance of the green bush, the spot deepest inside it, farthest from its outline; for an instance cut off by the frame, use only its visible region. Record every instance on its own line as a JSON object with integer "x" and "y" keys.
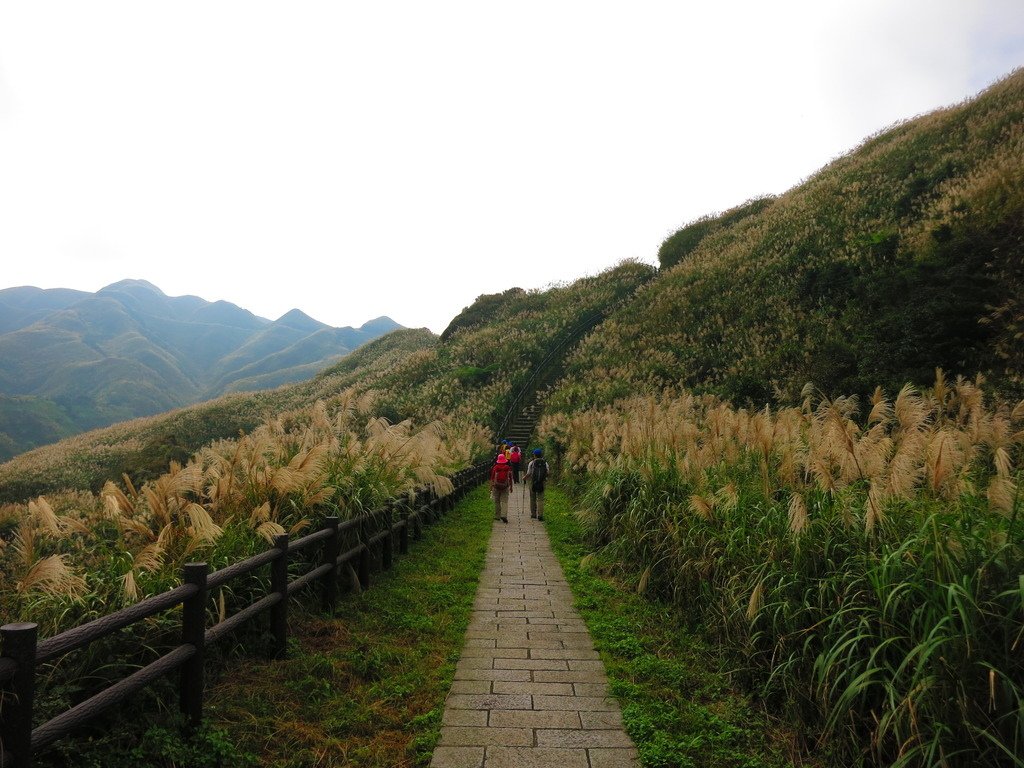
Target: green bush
{"x": 682, "y": 243}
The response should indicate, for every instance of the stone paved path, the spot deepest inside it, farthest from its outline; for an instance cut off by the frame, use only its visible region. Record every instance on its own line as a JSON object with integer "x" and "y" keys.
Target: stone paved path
{"x": 530, "y": 690}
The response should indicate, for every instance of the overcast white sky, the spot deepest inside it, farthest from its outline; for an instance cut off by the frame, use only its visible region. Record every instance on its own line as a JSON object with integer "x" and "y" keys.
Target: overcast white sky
{"x": 401, "y": 158}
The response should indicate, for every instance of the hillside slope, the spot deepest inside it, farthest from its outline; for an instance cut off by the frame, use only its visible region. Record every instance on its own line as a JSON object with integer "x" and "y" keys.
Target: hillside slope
{"x": 900, "y": 257}
{"x": 88, "y": 360}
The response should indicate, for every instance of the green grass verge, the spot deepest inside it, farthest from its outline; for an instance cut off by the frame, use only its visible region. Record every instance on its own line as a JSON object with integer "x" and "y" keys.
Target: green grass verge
{"x": 367, "y": 687}
{"x": 676, "y": 700}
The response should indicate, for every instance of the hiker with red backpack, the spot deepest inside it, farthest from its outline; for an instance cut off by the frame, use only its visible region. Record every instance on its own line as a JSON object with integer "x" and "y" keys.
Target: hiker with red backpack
{"x": 514, "y": 458}
{"x": 536, "y": 475}
{"x": 501, "y": 484}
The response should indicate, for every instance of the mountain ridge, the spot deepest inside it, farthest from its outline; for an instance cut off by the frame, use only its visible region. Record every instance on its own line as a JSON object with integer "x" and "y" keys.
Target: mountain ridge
{"x": 75, "y": 360}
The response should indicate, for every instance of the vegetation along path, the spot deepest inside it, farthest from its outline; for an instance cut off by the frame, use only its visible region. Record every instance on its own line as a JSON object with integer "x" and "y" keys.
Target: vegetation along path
{"x": 529, "y": 689}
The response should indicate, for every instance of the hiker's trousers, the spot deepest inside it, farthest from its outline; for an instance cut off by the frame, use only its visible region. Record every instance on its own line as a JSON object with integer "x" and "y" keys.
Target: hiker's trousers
{"x": 536, "y": 503}
{"x": 500, "y": 496}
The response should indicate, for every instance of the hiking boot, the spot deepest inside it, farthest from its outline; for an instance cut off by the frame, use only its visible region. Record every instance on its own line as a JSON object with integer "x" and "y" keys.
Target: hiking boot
{"x": 504, "y": 519}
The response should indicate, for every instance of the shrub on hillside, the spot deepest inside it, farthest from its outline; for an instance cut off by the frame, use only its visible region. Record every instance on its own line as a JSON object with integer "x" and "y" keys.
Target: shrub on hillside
{"x": 484, "y": 308}
{"x": 681, "y": 244}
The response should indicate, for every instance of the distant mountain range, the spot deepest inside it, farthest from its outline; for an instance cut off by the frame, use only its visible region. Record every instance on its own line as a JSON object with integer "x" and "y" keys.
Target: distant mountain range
{"x": 72, "y": 360}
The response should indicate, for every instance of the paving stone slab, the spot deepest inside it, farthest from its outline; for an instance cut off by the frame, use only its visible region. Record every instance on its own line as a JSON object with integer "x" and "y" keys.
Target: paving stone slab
{"x": 586, "y": 666}
{"x": 533, "y": 718}
{"x": 572, "y": 676}
{"x": 474, "y": 663}
{"x": 520, "y": 675}
{"x": 531, "y": 664}
{"x": 492, "y": 619}
{"x": 457, "y": 736}
{"x": 458, "y": 757}
{"x": 515, "y": 641}
{"x": 594, "y": 720}
{"x": 613, "y": 758}
{"x": 578, "y": 703}
{"x": 489, "y": 701}
{"x": 583, "y": 739}
{"x": 590, "y": 689}
{"x": 467, "y": 717}
{"x": 568, "y": 640}
{"x": 535, "y": 757}
{"x": 471, "y": 686}
{"x": 493, "y": 653}
{"x": 532, "y": 688}
{"x": 563, "y": 653}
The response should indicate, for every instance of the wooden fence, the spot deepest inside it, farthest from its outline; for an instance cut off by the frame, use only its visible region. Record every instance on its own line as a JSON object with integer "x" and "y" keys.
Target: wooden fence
{"x": 21, "y": 652}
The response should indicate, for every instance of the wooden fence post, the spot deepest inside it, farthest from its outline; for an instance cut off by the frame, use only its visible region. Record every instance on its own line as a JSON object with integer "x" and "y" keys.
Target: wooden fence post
{"x": 403, "y": 532}
{"x": 387, "y": 544}
{"x": 332, "y": 549}
{"x": 19, "y": 644}
{"x": 193, "y": 632}
{"x": 364, "y": 557}
{"x": 279, "y": 584}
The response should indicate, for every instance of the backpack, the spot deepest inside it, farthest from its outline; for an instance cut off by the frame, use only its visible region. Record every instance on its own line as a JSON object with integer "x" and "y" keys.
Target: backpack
{"x": 540, "y": 474}
{"x": 502, "y": 476}
{"x": 516, "y": 455}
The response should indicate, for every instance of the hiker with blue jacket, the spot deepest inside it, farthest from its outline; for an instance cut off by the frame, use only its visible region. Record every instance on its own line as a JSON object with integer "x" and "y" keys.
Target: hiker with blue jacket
{"x": 536, "y": 474}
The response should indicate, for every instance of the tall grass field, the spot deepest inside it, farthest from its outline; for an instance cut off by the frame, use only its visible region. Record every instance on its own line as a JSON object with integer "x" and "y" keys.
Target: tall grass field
{"x": 861, "y": 563}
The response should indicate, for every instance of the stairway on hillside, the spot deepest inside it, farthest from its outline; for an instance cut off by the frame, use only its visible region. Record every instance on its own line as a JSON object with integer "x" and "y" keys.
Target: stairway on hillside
{"x": 523, "y": 426}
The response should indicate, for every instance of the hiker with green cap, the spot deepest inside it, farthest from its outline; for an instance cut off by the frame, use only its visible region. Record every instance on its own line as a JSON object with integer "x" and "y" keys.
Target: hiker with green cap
{"x": 536, "y": 474}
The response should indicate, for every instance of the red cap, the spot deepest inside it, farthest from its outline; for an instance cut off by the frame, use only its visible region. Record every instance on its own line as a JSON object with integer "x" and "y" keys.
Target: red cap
{"x": 502, "y": 459}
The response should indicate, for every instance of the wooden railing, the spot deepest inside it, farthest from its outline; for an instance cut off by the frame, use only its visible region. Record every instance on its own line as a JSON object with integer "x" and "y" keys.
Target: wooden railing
{"x": 21, "y": 653}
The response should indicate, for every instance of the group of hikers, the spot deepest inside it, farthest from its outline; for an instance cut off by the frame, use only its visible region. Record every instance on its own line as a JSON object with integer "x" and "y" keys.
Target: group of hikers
{"x": 505, "y": 475}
